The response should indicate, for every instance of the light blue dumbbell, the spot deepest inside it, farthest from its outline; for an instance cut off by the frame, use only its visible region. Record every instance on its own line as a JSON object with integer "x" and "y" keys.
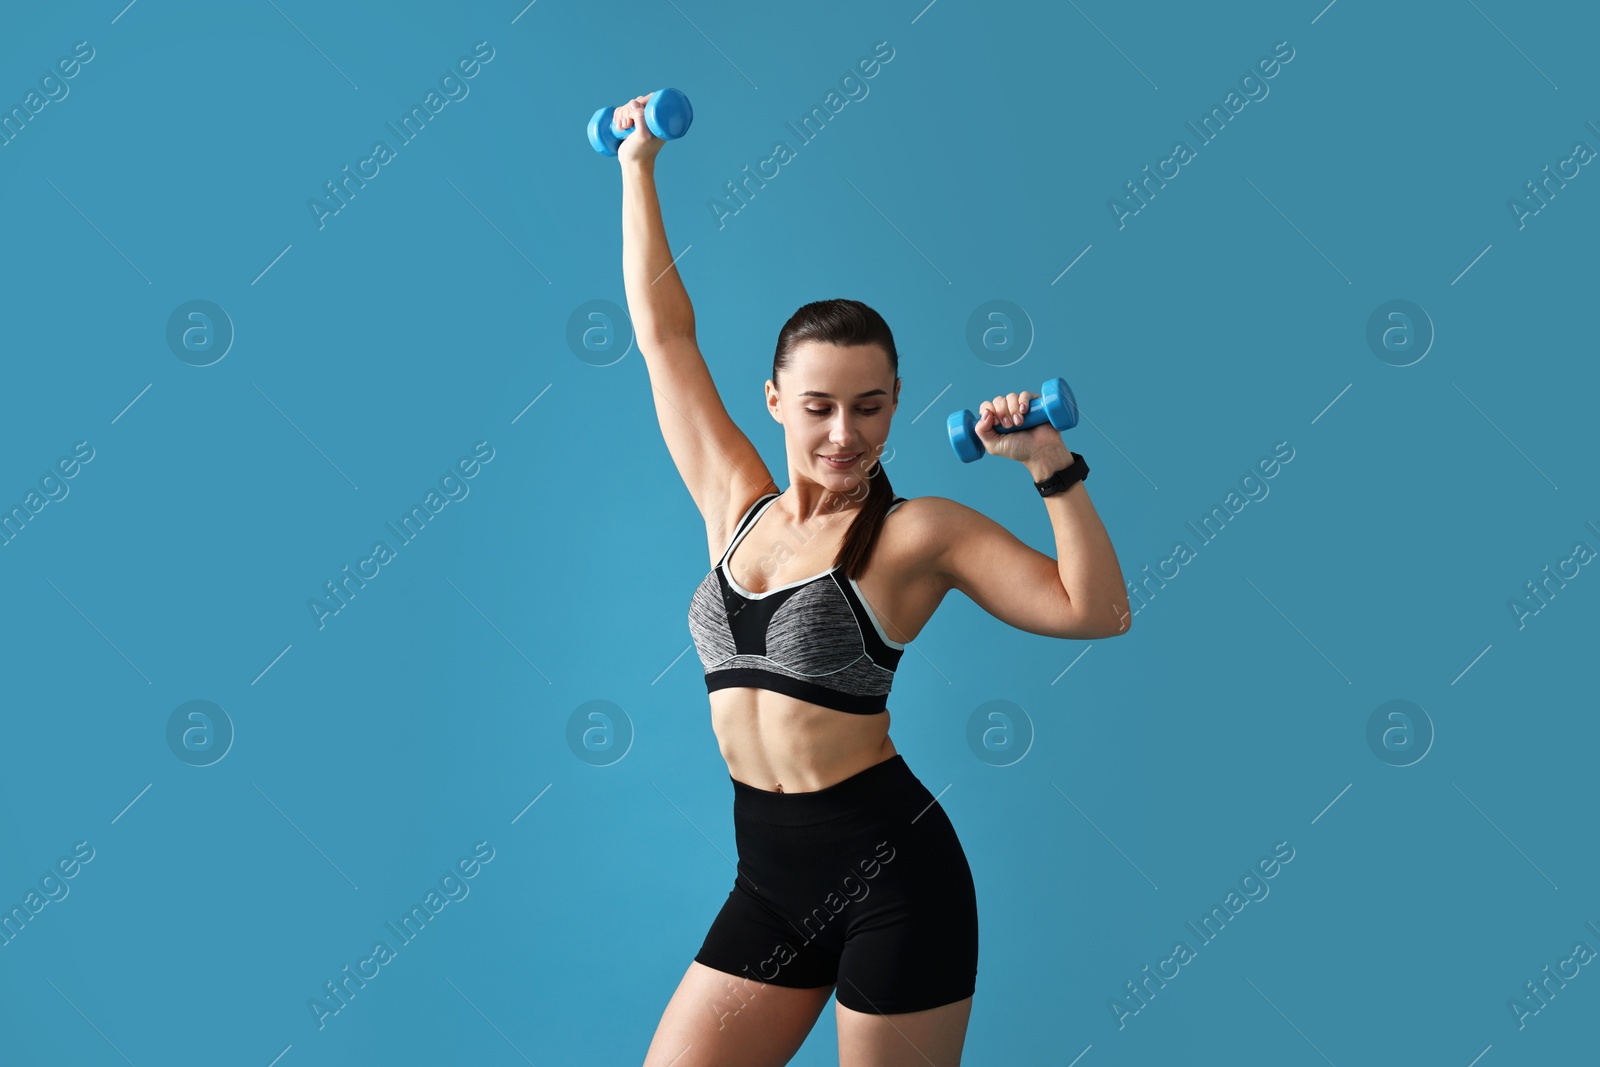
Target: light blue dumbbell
{"x": 666, "y": 112}
{"x": 1054, "y": 404}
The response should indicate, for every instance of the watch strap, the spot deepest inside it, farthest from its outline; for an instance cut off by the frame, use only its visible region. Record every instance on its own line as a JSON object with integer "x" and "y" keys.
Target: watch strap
{"x": 1064, "y": 478}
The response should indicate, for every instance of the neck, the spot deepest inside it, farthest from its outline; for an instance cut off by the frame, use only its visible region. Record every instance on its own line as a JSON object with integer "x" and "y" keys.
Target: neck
{"x": 810, "y": 501}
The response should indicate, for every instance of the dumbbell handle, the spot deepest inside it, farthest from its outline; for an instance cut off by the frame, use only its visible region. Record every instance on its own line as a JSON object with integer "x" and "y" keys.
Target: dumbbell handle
{"x": 666, "y": 112}
{"x": 1055, "y": 404}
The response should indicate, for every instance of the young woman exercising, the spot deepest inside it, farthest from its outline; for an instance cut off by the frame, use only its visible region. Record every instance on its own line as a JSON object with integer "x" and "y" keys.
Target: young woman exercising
{"x": 850, "y": 876}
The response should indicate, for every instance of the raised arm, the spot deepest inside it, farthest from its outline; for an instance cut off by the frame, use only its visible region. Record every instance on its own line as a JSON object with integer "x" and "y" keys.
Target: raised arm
{"x": 721, "y": 468}
{"x": 1080, "y": 593}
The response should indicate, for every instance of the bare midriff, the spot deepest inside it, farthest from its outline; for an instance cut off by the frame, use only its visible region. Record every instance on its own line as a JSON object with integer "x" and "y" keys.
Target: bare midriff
{"x": 786, "y": 745}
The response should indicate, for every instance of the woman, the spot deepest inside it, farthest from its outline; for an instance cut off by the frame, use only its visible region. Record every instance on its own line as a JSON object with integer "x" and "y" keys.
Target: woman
{"x": 850, "y": 876}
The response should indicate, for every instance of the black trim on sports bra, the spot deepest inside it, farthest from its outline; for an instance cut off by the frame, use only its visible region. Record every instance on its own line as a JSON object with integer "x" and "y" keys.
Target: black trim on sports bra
{"x": 843, "y": 641}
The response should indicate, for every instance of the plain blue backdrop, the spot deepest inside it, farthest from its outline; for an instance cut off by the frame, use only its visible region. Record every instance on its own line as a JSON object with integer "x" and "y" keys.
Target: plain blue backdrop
{"x": 517, "y": 678}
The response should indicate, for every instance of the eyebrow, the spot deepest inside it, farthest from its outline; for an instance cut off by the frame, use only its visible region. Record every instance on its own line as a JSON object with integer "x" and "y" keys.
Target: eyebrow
{"x": 829, "y": 396}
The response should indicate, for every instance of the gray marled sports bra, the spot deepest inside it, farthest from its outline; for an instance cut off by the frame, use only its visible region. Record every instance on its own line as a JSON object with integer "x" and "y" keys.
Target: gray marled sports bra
{"x": 815, "y": 639}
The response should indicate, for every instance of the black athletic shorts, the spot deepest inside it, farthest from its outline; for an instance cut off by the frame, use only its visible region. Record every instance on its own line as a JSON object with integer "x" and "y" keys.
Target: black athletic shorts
{"x": 862, "y": 885}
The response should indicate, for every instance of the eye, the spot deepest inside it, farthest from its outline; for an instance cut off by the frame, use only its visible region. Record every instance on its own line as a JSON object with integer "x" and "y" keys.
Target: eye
{"x": 865, "y": 411}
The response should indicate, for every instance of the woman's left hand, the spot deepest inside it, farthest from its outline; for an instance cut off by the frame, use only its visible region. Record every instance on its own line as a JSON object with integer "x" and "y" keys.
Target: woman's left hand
{"x": 1019, "y": 445}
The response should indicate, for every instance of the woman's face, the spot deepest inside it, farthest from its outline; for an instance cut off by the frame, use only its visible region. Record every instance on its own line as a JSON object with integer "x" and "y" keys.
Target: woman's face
{"x": 835, "y": 401}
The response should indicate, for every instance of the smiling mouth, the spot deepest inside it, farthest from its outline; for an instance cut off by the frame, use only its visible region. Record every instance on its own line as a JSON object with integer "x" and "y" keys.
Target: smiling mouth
{"x": 836, "y": 460}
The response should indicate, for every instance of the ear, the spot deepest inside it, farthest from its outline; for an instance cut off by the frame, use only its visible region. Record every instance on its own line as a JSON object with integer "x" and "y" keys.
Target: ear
{"x": 772, "y": 401}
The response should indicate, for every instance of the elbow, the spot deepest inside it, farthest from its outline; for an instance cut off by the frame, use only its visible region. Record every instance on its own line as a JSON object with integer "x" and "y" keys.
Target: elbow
{"x": 1100, "y": 631}
{"x": 1122, "y": 620}
{"x": 1121, "y": 613}
{"x": 1102, "y": 625}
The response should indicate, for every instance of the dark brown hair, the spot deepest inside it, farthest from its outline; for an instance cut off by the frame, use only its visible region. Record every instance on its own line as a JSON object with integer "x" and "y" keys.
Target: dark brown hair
{"x": 846, "y": 323}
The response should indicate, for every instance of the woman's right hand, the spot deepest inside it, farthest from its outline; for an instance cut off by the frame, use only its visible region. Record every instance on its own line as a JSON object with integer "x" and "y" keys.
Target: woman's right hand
{"x": 641, "y": 145}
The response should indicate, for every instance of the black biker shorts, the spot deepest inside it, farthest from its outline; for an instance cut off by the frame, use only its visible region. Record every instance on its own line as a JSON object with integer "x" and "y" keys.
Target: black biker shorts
{"x": 862, "y": 885}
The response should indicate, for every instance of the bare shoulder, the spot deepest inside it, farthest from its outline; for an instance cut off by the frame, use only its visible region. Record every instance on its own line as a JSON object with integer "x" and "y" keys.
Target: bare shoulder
{"x": 938, "y": 533}
{"x": 927, "y": 516}
{"x": 923, "y": 529}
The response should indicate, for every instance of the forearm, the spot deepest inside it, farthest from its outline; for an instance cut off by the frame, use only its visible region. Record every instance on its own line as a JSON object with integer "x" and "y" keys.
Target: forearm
{"x": 1085, "y": 557}
{"x": 658, "y": 304}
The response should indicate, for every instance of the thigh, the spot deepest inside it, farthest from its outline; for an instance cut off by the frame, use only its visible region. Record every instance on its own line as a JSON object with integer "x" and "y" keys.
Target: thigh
{"x": 912, "y": 941}
{"x": 717, "y": 1018}
{"x": 929, "y": 1038}
{"x": 909, "y": 964}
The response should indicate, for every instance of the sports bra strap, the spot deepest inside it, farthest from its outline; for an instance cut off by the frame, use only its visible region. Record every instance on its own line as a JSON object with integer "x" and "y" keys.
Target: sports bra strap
{"x": 744, "y": 521}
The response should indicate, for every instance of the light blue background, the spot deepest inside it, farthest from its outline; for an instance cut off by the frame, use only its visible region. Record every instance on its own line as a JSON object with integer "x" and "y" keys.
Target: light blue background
{"x": 1228, "y": 315}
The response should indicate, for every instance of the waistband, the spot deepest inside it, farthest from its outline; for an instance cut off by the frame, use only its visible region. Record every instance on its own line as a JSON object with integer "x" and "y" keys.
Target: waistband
{"x": 890, "y": 781}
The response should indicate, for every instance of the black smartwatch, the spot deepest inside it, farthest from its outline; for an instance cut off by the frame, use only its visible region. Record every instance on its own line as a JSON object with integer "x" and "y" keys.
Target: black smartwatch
{"x": 1064, "y": 478}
